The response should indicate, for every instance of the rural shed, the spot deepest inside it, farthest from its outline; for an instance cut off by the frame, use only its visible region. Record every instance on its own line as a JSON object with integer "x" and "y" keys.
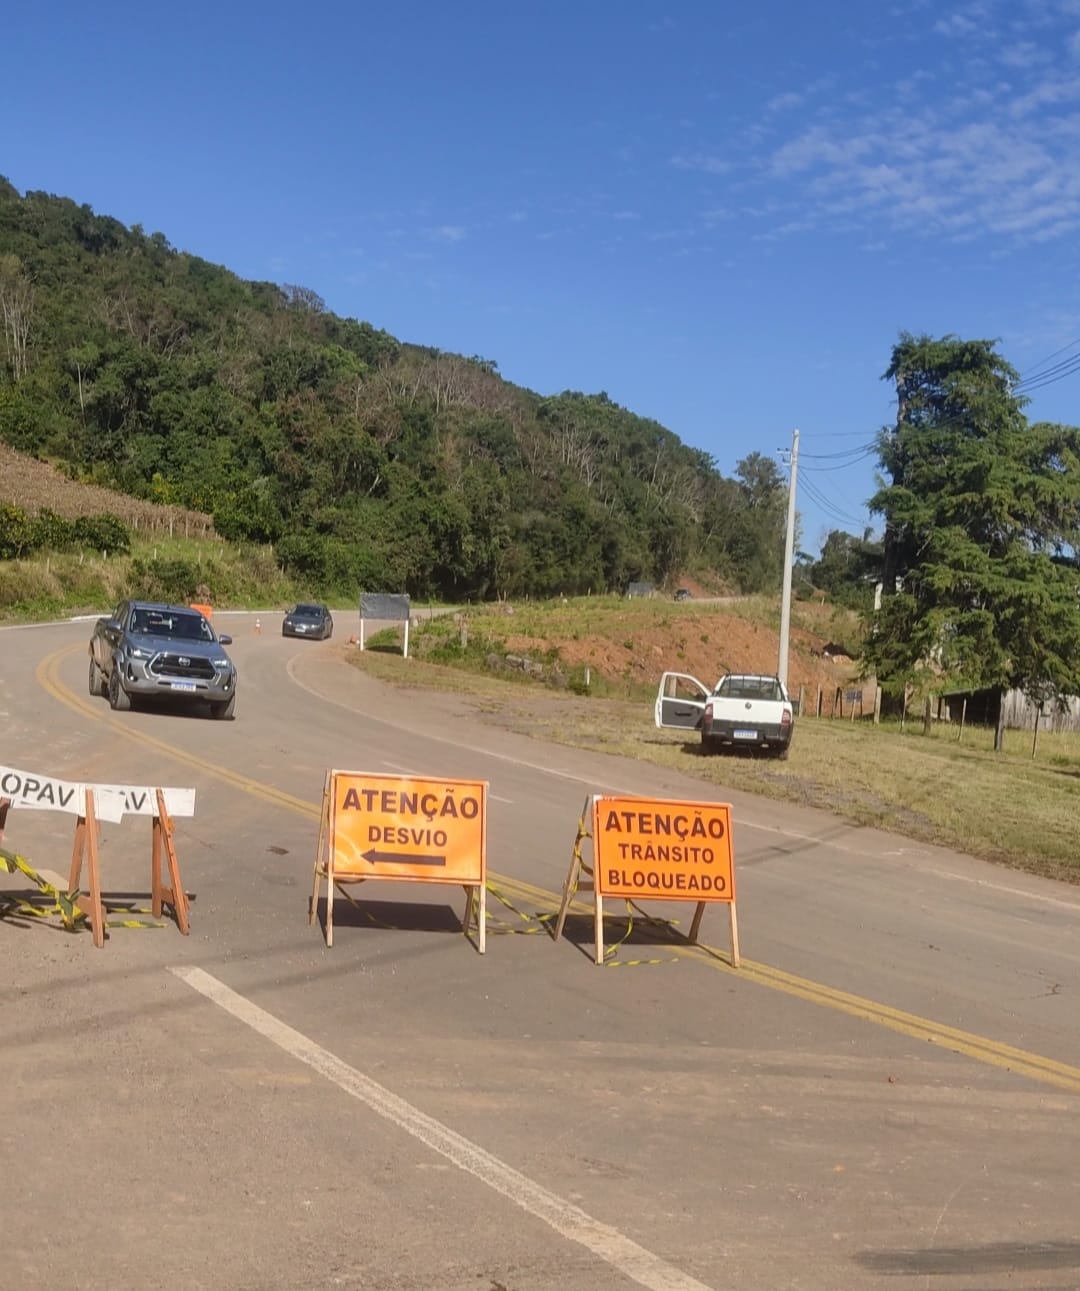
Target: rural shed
{"x": 1022, "y": 713}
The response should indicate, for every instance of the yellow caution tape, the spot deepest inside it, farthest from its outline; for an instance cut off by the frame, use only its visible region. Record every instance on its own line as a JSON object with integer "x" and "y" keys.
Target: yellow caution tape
{"x": 64, "y": 904}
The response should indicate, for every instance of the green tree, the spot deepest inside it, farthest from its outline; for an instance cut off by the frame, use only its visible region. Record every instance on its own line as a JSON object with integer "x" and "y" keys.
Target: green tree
{"x": 847, "y": 569}
{"x": 982, "y": 517}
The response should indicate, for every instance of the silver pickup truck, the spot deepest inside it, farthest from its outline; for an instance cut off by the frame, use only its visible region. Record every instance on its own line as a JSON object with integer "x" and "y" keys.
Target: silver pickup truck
{"x": 153, "y": 651}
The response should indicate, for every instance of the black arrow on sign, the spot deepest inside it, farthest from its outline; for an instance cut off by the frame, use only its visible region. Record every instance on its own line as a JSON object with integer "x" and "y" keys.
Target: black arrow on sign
{"x": 401, "y": 858}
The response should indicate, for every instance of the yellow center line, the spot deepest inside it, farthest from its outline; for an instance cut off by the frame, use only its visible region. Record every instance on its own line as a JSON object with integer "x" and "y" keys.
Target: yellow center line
{"x": 1047, "y": 1071}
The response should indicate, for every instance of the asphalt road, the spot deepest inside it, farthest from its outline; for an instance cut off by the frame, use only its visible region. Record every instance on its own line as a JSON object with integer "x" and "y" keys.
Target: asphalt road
{"x": 885, "y": 1094}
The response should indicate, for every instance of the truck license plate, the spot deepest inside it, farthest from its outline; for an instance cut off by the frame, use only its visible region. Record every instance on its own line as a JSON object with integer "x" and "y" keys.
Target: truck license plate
{"x": 745, "y": 735}
{"x": 183, "y": 685}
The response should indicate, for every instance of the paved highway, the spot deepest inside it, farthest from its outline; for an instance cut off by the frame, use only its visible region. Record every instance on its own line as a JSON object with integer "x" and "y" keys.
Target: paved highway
{"x": 884, "y": 1096}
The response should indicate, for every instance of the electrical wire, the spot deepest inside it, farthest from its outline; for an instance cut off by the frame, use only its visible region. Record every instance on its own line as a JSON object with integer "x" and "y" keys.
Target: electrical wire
{"x": 1043, "y": 379}
{"x": 828, "y": 457}
{"x": 830, "y": 507}
{"x": 841, "y": 466}
{"x": 1025, "y": 374}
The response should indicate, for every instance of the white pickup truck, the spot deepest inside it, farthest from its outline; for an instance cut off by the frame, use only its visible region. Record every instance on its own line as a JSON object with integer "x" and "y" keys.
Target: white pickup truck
{"x": 744, "y": 710}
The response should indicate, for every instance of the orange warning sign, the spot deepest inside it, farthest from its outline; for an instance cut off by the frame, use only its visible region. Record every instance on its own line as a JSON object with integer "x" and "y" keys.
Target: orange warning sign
{"x": 661, "y": 849}
{"x": 404, "y": 827}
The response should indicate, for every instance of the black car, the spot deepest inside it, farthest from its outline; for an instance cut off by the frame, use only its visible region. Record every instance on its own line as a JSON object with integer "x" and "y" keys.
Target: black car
{"x": 313, "y": 621}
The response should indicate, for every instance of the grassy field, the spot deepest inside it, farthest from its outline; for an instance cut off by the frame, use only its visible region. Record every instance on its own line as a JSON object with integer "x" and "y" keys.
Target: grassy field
{"x": 1006, "y": 807}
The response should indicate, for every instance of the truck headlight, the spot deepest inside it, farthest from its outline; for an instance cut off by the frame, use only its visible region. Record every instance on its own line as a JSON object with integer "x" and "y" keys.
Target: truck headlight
{"x": 224, "y": 664}
{"x": 137, "y": 652}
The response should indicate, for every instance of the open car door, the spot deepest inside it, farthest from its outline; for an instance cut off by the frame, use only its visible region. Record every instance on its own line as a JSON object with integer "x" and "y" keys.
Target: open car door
{"x": 680, "y": 701}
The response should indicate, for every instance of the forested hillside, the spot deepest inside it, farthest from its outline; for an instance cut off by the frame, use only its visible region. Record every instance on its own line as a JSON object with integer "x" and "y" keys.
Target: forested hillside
{"x": 366, "y": 461}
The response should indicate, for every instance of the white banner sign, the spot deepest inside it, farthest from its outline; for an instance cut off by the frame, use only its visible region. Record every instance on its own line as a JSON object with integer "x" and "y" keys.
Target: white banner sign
{"x": 111, "y": 801}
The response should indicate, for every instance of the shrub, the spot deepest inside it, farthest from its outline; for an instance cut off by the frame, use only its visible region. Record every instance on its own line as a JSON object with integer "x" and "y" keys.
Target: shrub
{"x": 15, "y": 536}
{"x": 51, "y": 532}
{"x": 165, "y": 580}
{"x": 102, "y": 533}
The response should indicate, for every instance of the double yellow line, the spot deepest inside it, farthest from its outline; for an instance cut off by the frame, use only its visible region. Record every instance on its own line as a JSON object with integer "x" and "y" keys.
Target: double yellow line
{"x": 1046, "y": 1071}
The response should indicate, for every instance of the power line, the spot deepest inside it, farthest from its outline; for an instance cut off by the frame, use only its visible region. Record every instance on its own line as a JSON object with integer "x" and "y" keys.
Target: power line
{"x": 831, "y": 508}
{"x": 871, "y": 451}
{"x": 1043, "y": 379}
{"x": 847, "y": 452}
{"x": 1071, "y": 345}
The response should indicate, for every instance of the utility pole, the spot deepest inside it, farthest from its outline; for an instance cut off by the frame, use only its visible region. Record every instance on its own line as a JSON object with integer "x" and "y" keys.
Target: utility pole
{"x": 789, "y": 556}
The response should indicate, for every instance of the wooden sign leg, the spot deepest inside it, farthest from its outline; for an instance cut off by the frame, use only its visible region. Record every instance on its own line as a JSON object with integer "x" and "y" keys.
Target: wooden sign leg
{"x": 472, "y": 911}
{"x": 5, "y": 803}
{"x": 324, "y": 840}
{"x": 77, "y": 853}
{"x": 573, "y": 877}
{"x": 481, "y": 897}
{"x": 313, "y": 904}
{"x": 696, "y": 924}
{"x": 174, "y": 894}
{"x": 569, "y": 889}
{"x": 599, "y": 922}
{"x": 96, "y": 912}
{"x": 329, "y": 901}
{"x": 734, "y": 936}
{"x": 156, "y": 902}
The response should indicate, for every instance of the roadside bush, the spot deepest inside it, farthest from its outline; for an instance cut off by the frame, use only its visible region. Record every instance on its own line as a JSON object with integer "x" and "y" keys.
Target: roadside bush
{"x": 51, "y": 532}
{"x": 21, "y": 535}
{"x": 15, "y": 538}
{"x": 102, "y": 533}
{"x": 165, "y": 580}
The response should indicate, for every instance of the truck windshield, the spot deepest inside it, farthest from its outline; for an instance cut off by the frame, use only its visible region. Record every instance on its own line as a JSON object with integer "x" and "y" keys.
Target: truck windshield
{"x": 765, "y": 688}
{"x": 162, "y": 623}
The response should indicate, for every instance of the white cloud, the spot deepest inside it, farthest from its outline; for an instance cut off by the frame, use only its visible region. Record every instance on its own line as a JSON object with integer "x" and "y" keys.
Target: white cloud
{"x": 448, "y": 233}
{"x": 784, "y": 102}
{"x": 711, "y": 165}
{"x": 979, "y": 138}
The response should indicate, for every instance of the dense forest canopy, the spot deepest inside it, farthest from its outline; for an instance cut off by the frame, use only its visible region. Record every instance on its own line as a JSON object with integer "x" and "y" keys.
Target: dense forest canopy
{"x": 365, "y": 460}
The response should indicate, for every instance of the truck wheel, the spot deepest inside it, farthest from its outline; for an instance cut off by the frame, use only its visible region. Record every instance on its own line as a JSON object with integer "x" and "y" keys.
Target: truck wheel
{"x": 119, "y": 699}
{"x": 782, "y": 754}
{"x": 97, "y": 680}
{"x": 225, "y": 711}
{"x": 707, "y": 745}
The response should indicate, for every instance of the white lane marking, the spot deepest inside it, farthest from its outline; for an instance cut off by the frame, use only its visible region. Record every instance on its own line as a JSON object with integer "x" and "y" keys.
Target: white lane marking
{"x": 495, "y": 798}
{"x": 630, "y": 1259}
{"x": 396, "y": 766}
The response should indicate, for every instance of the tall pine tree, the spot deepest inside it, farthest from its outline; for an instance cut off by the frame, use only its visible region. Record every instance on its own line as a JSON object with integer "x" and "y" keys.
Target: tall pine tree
{"x": 982, "y": 515}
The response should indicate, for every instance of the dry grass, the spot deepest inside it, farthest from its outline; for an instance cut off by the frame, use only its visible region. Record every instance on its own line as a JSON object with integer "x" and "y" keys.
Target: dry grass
{"x": 31, "y": 484}
{"x": 1003, "y": 807}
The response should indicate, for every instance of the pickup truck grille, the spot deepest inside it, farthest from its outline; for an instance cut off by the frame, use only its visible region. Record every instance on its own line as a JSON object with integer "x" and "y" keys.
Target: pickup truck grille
{"x": 181, "y": 665}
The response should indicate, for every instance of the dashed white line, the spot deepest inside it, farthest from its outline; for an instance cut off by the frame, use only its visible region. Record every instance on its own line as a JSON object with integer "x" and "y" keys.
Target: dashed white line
{"x": 608, "y": 1244}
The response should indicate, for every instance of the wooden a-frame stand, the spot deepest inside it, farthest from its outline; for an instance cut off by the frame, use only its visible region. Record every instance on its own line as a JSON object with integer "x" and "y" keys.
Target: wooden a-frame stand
{"x": 475, "y": 893}
{"x": 575, "y": 884}
{"x": 85, "y": 852}
{"x": 86, "y": 849}
{"x": 160, "y": 894}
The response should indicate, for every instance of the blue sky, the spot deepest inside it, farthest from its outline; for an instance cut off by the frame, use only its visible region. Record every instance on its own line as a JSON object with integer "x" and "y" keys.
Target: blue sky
{"x": 722, "y": 215}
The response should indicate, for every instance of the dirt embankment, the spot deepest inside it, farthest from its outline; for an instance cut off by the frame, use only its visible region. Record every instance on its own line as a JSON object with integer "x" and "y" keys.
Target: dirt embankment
{"x": 706, "y": 640}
